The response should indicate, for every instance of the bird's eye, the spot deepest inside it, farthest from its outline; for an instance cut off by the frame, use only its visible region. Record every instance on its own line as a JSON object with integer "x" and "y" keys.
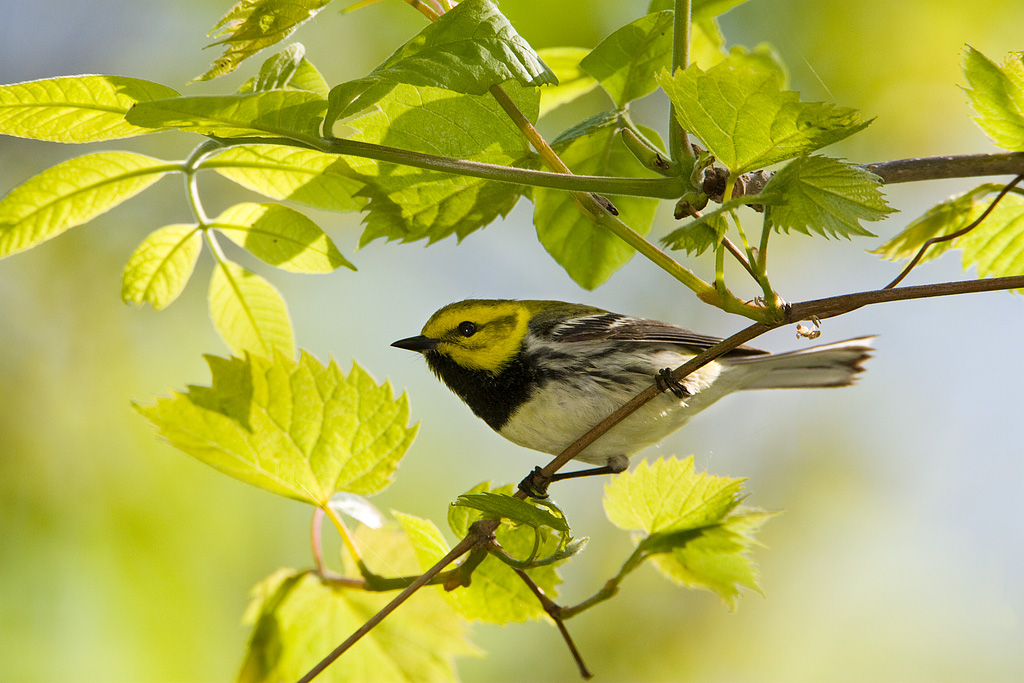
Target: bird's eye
{"x": 467, "y": 329}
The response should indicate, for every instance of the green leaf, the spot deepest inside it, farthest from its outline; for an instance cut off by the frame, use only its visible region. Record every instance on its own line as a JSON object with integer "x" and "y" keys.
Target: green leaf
{"x": 669, "y": 495}
{"x": 740, "y": 111}
{"x": 288, "y": 70}
{"x": 75, "y": 108}
{"x": 410, "y": 204}
{"x": 573, "y": 82}
{"x": 497, "y": 594}
{"x": 996, "y": 246}
{"x": 291, "y": 113}
{"x": 161, "y": 266}
{"x": 625, "y": 63}
{"x": 696, "y": 236}
{"x": 717, "y": 559}
{"x": 282, "y": 237}
{"x": 299, "y": 618}
{"x": 248, "y": 312}
{"x": 252, "y": 25}
{"x": 589, "y": 252}
{"x": 952, "y": 215}
{"x": 498, "y": 506}
{"x": 826, "y": 196}
{"x": 297, "y": 429}
{"x": 467, "y": 50}
{"x": 316, "y": 179}
{"x": 426, "y": 539}
{"x": 72, "y": 193}
{"x": 699, "y": 9}
{"x": 997, "y": 94}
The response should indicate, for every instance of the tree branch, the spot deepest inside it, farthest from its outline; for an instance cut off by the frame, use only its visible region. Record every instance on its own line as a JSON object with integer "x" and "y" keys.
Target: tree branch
{"x": 936, "y": 168}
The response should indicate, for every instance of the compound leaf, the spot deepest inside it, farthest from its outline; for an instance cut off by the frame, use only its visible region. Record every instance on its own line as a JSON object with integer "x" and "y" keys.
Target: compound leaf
{"x": 316, "y": 179}
{"x": 161, "y": 266}
{"x": 248, "y": 312}
{"x": 72, "y": 193}
{"x": 76, "y": 108}
{"x": 297, "y": 429}
{"x": 827, "y": 196}
{"x": 282, "y": 237}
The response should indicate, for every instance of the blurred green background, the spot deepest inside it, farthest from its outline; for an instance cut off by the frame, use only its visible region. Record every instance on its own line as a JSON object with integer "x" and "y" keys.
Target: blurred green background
{"x": 900, "y": 555}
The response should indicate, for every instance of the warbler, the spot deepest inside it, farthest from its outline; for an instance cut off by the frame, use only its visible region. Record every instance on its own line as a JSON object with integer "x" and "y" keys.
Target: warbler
{"x": 543, "y": 373}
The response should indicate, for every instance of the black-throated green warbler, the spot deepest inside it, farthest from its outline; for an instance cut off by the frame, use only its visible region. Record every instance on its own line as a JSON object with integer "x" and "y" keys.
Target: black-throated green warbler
{"x": 543, "y": 373}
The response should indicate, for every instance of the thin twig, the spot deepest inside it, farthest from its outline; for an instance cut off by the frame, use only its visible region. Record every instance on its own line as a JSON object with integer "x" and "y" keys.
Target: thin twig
{"x": 936, "y": 168}
{"x": 555, "y": 612}
{"x": 952, "y": 236}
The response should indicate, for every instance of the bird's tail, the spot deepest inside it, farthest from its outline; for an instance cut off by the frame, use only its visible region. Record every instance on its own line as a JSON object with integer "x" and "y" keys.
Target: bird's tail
{"x": 829, "y": 365}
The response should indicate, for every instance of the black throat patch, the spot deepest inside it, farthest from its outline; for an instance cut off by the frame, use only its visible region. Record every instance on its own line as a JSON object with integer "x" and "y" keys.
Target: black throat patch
{"x": 493, "y": 398}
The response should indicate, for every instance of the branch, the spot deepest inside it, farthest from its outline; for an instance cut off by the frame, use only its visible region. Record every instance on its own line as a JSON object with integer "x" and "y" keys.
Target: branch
{"x": 936, "y": 168}
{"x": 555, "y": 612}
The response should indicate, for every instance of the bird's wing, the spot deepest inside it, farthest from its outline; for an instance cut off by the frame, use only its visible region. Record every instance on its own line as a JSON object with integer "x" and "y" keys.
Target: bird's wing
{"x": 616, "y": 327}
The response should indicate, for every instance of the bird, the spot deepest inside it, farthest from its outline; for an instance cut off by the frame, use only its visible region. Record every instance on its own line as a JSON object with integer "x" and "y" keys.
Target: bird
{"x": 543, "y": 373}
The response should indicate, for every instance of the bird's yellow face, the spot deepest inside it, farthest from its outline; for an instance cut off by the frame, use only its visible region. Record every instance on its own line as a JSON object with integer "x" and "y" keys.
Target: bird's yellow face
{"x": 480, "y": 334}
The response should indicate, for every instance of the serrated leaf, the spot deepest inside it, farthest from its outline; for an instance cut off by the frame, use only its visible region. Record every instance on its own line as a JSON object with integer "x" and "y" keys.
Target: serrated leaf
{"x": 252, "y": 25}
{"x": 75, "y": 108}
{"x": 72, "y": 193}
{"x": 718, "y": 559}
{"x": 625, "y": 63}
{"x": 297, "y": 429}
{"x": 161, "y": 265}
{"x": 292, "y": 113}
{"x": 410, "y": 204}
{"x": 826, "y": 196}
{"x": 248, "y": 312}
{"x": 280, "y": 236}
{"x": 669, "y": 495}
{"x": 508, "y": 507}
{"x": 996, "y": 246}
{"x": 467, "y": 50}
{"x": 299, "y": 618}
{"x": 573, "y": 82}
{"x": 951, "y": 216}
{"x": 740, "y": 111}
{"x": 698, "y": 235}
{"x": 497, "y": 594}
{"x": 590, "y": 253}
{"x": 997, "y": 94}
{"x": 316, "y": 179}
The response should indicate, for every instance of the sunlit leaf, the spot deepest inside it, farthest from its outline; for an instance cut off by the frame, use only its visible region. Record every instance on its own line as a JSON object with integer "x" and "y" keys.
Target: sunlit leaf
{"x": 75, "y": 108}
{"x": 292, "y": 113}
{"x": 288, "y": 70}
{"x": 497, "y": 594}
{"x": 589, "y": 252}
{"x": 625, "y": 63}
{"x": 72, "y": 193}
{"x": 161, "y": 266}
{"x": 467, "y": 50}
{"x": 248, "y": 312}
{"x": 299, "y": 618}
{"x": 282, "y": 237}
{"x": 825, "y": 196}
{"x": 308, "y": 177}
{"x": 411, "y": 204}
{"x": 573, "y": 82}
{"x": 252, "y": 25}
{"x": 500, "y": 506}
{"x": 297, "y": 429}
{"x": 996, "y": 246}
{"x": 997, "y": 94}
{"x": 740, "y": 111}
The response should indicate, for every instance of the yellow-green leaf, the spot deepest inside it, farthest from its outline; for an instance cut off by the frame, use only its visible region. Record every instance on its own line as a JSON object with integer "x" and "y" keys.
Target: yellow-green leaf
{"x": 573, "y": 82}
{"x": 161, "y": 266}
{"x": 282, "y": 237}
{"x": 997, "y": 94}
{"x": 249, "y": 313}
{"x": 297, "y": 429}
{"x": 72, "y": 193}
{"x": 75, "y": 108}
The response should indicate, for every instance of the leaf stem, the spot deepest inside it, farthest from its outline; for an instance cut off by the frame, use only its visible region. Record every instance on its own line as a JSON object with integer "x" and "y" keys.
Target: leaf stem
{"x": 678, "y": 140}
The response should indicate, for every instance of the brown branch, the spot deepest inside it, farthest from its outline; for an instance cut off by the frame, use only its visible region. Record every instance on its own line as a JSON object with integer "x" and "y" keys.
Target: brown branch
{"x": 936, "y": 168}
{"x": 555, "y": 612}
{"x": 952, "y": 236}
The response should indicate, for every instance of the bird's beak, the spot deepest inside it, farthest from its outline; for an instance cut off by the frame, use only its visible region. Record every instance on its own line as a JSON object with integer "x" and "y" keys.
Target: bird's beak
{"x": 418, "y": 344}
